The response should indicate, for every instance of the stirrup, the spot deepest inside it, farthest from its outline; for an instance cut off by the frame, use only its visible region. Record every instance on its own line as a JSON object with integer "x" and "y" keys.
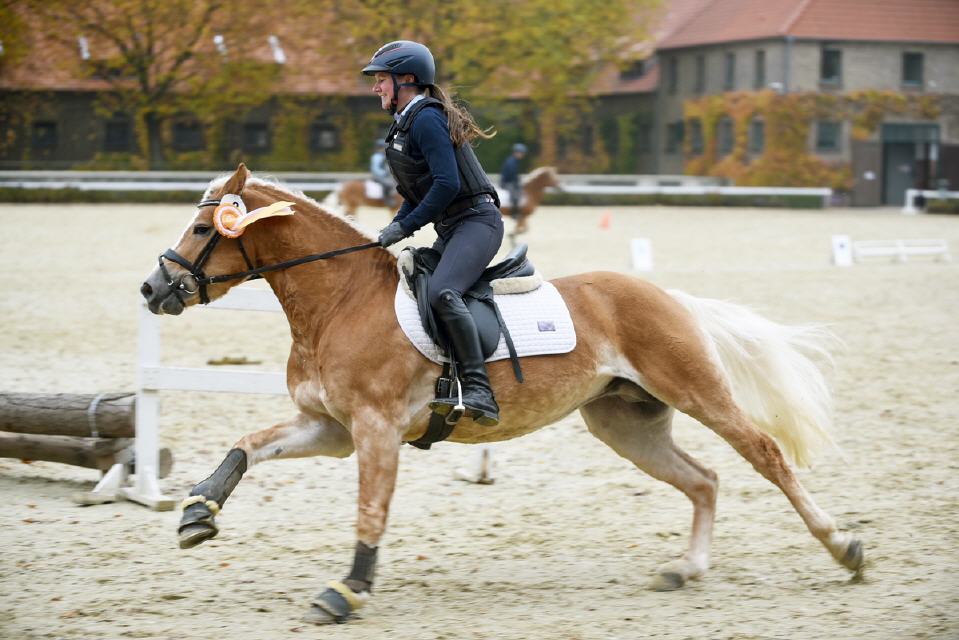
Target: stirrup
{"x": 451, "y": 413}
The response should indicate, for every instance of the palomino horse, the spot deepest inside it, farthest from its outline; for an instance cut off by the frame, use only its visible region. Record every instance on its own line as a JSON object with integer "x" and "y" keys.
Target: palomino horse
{"x": 534, "y": 186}
{"x": 360, "y": 386}
{"x": 352, "y": 195}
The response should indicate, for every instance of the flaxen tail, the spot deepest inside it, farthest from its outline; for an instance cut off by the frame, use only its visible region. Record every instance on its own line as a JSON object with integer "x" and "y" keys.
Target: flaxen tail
{"x": 773, "y": 372}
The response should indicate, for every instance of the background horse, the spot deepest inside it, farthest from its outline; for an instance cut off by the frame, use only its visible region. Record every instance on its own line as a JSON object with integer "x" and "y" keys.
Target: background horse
{"x": 351, "y": 195}
{"x": 534, "y": 186}
{"x": 359, "y": 385}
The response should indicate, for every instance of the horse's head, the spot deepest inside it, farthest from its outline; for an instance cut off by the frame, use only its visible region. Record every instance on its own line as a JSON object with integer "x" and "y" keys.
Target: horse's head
{"x": 211, "y": 245}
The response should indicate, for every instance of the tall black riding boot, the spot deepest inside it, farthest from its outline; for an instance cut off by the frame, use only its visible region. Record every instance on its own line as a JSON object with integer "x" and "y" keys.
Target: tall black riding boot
{"x": 461, "y": 330}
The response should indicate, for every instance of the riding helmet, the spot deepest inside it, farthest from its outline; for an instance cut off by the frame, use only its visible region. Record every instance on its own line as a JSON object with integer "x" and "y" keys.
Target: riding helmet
{"x": 404, "y": 56}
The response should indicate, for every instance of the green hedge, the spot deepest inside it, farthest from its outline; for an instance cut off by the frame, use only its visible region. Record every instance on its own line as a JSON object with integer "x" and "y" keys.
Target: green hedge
{"x": 15, "y": 194}
{"x": 705, "y": 200}
{"x": 942, "y": 206}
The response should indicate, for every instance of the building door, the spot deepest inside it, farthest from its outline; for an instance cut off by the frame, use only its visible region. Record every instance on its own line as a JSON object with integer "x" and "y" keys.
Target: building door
{"x": 907, "y": 154}
{"x": 898, "y": 171}
{"x": 866, "y": 169}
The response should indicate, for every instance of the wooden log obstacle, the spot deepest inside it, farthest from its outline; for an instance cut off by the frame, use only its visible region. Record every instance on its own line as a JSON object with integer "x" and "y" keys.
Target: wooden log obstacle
{"x": 95, "y": 431}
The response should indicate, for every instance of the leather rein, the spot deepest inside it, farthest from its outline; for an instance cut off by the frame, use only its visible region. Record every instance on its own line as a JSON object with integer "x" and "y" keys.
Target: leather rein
{"x": 197, "y": 280}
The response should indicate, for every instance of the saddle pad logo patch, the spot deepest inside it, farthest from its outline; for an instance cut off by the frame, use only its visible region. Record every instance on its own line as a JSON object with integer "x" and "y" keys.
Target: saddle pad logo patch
{"x": 546, "y": 325}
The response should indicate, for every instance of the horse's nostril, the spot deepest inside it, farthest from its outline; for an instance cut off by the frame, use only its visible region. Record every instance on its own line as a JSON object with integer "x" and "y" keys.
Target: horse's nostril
{"x": 146, "y": 290}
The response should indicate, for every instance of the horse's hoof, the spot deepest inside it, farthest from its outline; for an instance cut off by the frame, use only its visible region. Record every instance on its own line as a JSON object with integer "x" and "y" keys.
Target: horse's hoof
{"x": 318, "y": 616}
{"x": 854, "y": 557}
{"x": 196, "y": 526}
{"x": 193, "y": 534}
{"x": 667, "y": 581}
{"x": 335, "y": 605}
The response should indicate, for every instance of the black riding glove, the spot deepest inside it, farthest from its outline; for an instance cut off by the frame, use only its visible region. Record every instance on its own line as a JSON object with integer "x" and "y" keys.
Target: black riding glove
{"x": 391, "y": 234}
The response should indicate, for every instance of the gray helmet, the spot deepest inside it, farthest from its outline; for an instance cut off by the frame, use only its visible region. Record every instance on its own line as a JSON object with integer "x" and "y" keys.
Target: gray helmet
{"x": 404, "y": 56}
{"x": 519, "y": 147}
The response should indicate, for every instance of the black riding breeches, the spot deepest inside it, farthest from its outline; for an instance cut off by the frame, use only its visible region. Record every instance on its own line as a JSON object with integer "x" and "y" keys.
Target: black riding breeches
{"x": 467, "y": 245}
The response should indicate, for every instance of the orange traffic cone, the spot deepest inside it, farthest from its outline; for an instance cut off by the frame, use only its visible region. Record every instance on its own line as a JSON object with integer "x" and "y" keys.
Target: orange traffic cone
{"x": 605, "y": 220}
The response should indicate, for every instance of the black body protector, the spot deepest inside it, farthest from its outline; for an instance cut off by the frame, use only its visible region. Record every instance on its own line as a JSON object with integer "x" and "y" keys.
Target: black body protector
{"x": 413, "y": 177}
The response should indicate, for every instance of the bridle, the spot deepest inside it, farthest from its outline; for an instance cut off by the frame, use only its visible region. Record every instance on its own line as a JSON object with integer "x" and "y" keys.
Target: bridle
{"x": 198, "y": 280}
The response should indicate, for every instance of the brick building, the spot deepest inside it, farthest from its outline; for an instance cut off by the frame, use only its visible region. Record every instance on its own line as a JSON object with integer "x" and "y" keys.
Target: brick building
{"x": 873, "y": 82}
{"x": 863, "y": 61}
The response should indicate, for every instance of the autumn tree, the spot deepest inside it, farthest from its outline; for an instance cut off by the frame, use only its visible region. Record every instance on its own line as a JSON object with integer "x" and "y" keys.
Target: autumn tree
{"x": 161, "y": 57}
{"x": 548, "y": 51}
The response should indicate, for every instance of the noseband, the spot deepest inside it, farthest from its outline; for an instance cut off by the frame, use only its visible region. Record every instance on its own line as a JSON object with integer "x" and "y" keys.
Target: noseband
{"x": 200, "y": 280}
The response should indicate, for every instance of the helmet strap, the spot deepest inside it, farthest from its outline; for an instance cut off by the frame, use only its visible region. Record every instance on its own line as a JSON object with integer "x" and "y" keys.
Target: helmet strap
{"x": 396, "y": 95}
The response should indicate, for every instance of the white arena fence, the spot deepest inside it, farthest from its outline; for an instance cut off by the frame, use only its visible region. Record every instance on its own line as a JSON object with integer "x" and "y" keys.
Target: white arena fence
{"x": 596, "y": 184}
{"x": 153, "y": 377}
{"x": 912, "y": 194}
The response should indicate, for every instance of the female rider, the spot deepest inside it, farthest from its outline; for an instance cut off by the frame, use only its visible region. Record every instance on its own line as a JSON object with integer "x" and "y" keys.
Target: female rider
{"x": 430, "y": 154}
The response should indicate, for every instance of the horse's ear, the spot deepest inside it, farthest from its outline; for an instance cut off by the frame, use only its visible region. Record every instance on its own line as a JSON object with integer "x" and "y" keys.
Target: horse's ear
{"x": 237, "y": 181}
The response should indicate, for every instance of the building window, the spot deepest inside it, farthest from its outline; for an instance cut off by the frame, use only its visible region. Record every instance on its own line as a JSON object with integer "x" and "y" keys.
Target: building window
{"x": 827, "y": 135}
{"x": 635, "y": 70}
{"x": 830, "y": 65}
{"x": 672, "y": 74}
{"x": 696, "y": 136}
{"x": 116, "y": 135}
{"x": 729, "y": 79}
{"x": 699, "y": 82}
{"x": 912, "y": 69}
{"x": 724, "y": 137}
{"x": 187, "y": 136}
{"x": 44, "y": 135}
{"x": 674, "y": 136}
{"x": 256, "y": 136}
{"x": 757, "y": 136}
{"x": 759, "y": 71}
{"x": 323, "y": 137}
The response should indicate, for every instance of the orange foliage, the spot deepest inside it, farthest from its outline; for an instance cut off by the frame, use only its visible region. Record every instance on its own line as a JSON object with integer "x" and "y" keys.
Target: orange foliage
{"x": 786, "y": 159}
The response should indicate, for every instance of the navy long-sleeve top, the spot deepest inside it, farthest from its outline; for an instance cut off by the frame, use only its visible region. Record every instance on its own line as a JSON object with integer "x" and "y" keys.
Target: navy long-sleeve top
{"x": 429, "y": 138}
{"x": 509, "y": 174}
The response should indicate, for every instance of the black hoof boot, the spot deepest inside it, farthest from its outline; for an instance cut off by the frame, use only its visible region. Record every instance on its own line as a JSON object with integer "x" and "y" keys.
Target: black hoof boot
{"x": 197, "y": 525}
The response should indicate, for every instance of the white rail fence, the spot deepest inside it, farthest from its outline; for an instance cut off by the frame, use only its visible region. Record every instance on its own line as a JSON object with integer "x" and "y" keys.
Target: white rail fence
{"x": 625, "y": 184}
{"x": 912, "y": 194}
{"x": 153, "y": 377}
{"x": 846, "y": 252}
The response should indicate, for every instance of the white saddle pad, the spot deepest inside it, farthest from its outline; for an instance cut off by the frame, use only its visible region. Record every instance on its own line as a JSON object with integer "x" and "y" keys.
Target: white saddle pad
{"x": 374, "y": 190}
{"x": 538, "y": 323}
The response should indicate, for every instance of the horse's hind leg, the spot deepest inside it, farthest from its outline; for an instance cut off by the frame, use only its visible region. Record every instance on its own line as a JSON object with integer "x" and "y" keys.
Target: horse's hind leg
{"x": 641, "y": 433}
{"x": 765, "y": 456}
{"x": 297, "y": 438}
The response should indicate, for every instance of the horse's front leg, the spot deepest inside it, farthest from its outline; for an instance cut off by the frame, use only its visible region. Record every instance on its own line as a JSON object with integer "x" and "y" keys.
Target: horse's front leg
{"x": 301, "y": 437}
{"x": 377, "y": 452}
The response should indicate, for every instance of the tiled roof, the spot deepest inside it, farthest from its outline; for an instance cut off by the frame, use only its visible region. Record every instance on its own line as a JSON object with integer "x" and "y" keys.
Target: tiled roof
{"x": 874, "y": 20}
{"x": 51, "y": 64}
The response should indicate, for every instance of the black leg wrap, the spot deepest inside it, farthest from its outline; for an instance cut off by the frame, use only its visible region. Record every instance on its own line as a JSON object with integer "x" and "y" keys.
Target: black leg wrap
{"x": 364, "y": 564}
{"x": 223, "y": 481}
{"x": 198, "y": 522}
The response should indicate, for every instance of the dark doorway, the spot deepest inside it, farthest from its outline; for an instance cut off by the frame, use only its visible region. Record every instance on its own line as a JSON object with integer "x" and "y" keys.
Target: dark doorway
{"x": 908, "y": 152}
{"x": 899, "y": 170}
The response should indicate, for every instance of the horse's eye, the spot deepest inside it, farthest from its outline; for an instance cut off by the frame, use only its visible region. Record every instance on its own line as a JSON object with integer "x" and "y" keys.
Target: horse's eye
{"x": 201, "y": 229}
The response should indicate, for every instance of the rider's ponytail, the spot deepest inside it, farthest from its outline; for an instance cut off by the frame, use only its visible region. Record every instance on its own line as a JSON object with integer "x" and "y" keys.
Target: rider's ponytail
{"x": 463, "y": 129}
